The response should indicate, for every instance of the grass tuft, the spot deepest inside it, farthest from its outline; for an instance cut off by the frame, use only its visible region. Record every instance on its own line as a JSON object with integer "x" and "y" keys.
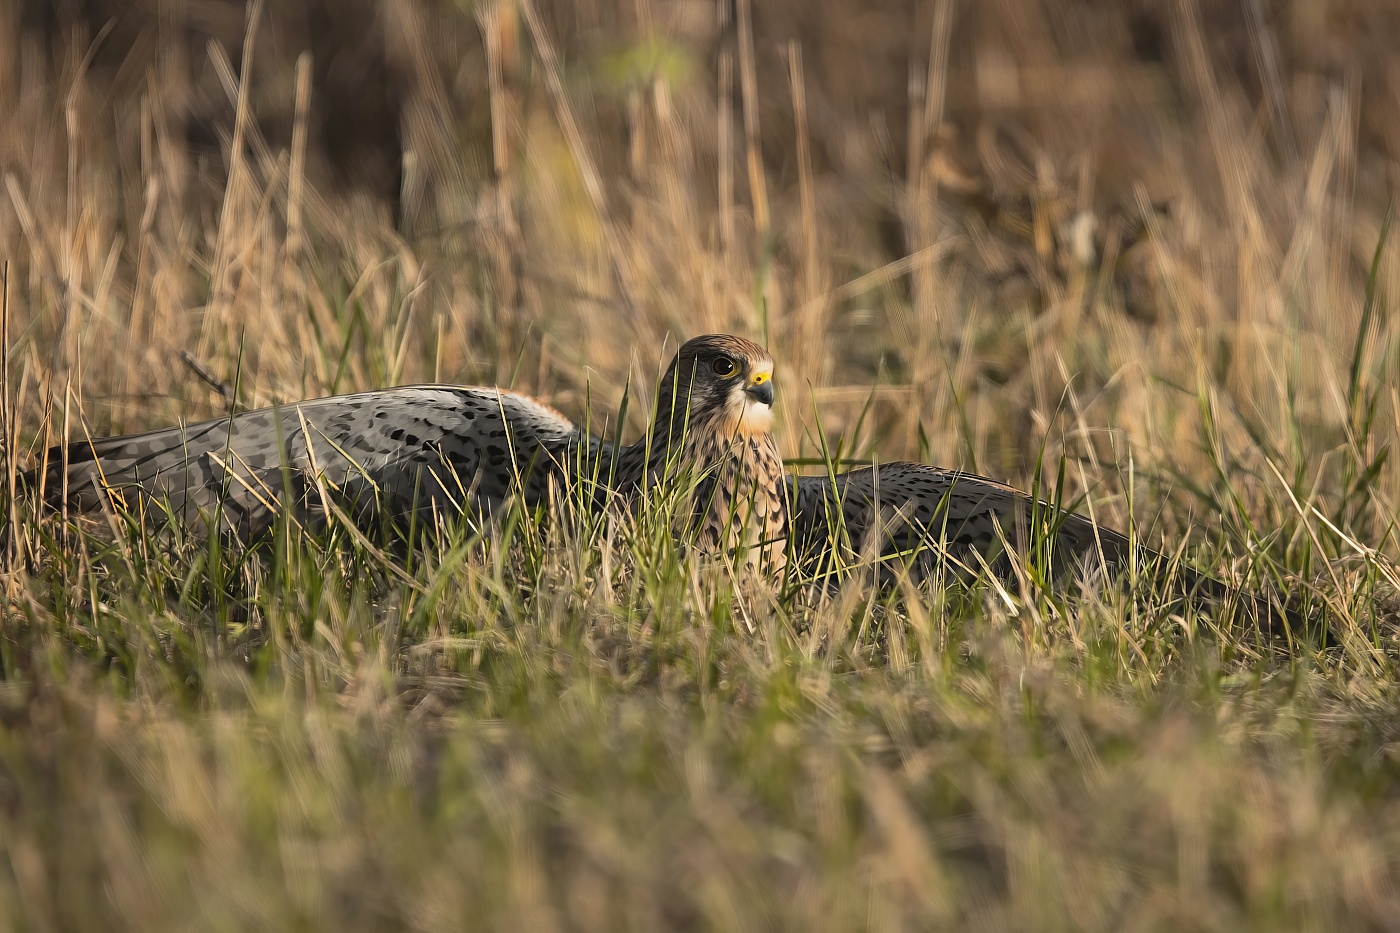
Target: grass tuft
{"x": 1076, "y": 259}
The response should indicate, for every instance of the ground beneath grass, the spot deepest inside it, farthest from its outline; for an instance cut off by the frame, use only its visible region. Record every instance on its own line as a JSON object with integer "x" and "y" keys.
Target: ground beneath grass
{"x": 510, "y": 736}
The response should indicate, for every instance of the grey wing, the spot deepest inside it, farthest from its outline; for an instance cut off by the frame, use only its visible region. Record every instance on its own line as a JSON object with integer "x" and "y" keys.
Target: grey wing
{"x": 387, "y": 452}
{"x": 921, "y": 517}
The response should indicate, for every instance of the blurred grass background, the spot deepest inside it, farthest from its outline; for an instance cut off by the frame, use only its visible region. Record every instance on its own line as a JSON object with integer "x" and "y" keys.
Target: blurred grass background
{"x": 1144, "y": 239}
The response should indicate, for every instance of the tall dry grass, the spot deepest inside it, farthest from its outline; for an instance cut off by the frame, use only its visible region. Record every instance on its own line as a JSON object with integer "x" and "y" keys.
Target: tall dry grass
{"x": 1082, "y": 227}
{"x": 1144, "y": 241}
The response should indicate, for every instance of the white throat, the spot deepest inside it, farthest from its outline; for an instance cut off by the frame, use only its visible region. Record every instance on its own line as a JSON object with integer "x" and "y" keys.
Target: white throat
{"x": 756, "y": 418}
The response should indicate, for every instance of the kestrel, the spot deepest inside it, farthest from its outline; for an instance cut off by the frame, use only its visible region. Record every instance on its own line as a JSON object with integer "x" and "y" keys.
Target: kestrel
{"x": 426, "y": 450}
{"x": 444, "y": 450}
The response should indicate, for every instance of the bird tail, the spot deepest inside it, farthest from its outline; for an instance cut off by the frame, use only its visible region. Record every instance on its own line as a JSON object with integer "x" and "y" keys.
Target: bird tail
{"x": 82, "y": 473}
{"x": 50, "y": 477}
{"x": 66, "y": 472}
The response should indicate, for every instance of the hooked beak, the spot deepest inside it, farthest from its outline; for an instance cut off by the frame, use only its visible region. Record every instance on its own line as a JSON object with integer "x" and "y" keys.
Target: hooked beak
{"x": 762, "y": 392}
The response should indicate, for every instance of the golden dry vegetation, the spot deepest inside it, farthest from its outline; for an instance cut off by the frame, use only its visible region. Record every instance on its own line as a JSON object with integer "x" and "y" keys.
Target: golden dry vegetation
{"x": 1143, "y": 244}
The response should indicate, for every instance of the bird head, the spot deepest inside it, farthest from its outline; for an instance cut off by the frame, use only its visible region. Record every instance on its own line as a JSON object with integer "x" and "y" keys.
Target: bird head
{"x": 718, "y": 383}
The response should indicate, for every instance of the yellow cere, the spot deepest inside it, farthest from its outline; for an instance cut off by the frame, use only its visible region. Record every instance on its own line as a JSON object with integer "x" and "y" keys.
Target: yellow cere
{"x": 760, "y": 377}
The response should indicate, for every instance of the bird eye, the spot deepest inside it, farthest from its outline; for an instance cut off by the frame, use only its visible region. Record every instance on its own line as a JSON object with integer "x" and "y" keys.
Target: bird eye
{"x": 723, "y": 366}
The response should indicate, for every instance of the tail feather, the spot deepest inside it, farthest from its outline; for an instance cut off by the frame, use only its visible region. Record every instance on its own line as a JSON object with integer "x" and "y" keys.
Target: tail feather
{"x": 182, "y": 468}
{"x": 383, "y": 455}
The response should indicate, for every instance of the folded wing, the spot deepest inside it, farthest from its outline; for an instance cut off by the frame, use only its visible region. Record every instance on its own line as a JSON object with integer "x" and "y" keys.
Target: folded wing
{"x": 922, "y": 520}
{"x": 918, "y": 517}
